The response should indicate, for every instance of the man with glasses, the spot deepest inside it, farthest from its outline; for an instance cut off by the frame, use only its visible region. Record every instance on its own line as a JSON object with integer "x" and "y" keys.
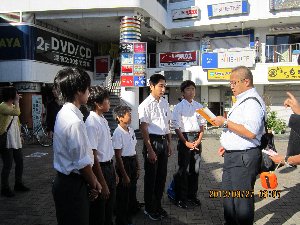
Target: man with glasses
{"x": 240, "y": 139}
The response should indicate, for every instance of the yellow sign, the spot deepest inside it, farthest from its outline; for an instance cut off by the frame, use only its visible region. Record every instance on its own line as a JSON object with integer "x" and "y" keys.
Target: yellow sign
{"x": 284, "y": 73}
{"x": 219, "y": 74}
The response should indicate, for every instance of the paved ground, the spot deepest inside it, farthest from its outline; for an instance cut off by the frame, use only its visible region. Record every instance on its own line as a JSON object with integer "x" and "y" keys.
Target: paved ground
{"x": 37, "y": 208}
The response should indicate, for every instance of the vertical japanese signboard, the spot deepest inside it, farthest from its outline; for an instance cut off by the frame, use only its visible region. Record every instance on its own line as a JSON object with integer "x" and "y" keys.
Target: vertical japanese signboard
{"x": 133, "y": 64}
{"x": 37, "y": 110}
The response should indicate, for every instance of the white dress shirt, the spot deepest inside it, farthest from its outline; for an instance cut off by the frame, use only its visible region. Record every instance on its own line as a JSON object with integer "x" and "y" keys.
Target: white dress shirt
{"x": 124, "y": 140}
{"x": 186, "y": 118}
{"x": 249, "y": 114}
{"x": 14, "y": 134}
{"x": 156, "y": 114}
{"x": 72, "y": 150}
{"x": 99, "y": 136}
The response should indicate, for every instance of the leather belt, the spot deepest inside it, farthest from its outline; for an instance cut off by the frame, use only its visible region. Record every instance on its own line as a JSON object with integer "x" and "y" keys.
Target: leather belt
{"x": 157, "y": 136}
{"x": 245, "y": 150}
{"x": 70, "y": 175}
{"x": 107, "y": 163}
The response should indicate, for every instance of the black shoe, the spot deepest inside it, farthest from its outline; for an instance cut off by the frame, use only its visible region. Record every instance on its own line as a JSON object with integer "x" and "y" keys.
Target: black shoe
{"x": 21, "y": 188}
{"x": 195, "y": 201}
{"x": 7, "y": 192}
{"x": 152, "y": 216}
{"x": 163, "y": 213}
{"x": 181, "y": 204}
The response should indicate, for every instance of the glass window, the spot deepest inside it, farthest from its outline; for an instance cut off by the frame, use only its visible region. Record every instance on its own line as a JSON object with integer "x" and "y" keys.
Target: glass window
{"x": 163, "y": 3}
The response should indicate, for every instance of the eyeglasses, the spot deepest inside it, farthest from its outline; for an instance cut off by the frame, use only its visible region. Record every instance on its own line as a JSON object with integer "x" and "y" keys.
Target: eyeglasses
{"x": 233, "y": 82}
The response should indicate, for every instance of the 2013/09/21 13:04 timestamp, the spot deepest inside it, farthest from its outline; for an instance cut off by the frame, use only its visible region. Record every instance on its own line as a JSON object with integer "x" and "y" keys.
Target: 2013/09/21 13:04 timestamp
{"x": 244, "y": 193}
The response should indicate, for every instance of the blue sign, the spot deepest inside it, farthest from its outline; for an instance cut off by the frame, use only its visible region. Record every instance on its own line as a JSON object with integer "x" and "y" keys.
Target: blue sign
{"x": 15, "y": 42}
{"x": 139, "y": 81}
{"x": 139, "y": 58}
{"x": 209, "y": 60}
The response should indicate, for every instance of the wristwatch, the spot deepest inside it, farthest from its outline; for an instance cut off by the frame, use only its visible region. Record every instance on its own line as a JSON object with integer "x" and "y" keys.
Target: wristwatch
{"x": 225, "y": 124}
{"x": 286, "y": 158}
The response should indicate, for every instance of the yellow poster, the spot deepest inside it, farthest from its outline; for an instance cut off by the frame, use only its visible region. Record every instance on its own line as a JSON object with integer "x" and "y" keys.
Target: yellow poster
{"x": 219, "y": 74}
{"x": 284, "y": 73}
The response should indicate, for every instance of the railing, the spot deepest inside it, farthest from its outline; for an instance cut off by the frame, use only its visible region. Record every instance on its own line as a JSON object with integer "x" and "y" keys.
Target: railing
{"x": 280, "y": 53}
{"x": 265, "y": 54}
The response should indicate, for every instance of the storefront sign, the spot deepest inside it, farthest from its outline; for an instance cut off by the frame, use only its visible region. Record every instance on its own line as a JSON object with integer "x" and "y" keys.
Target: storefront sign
{"x": 228, "y": 8}
{"x": 102, "y": 66}
{"x": 219, "y": 74}
{"x": 57, "y": 49}
{"x": 133, "y": 64}
{"x": 28, "y": 87}
{"x": 15, "y": 42}
{"x": 229, "y": 59}
{"x": 178, "y": 59}
{"x": 187, "y": 36}
{"x": 126, "y": 81}
{"x": 186, "y": 13}
{"x": 284, "y": 73}
{"x": 286, "y": 4}
{"x": 37, "y": 110}
{"x": 126, "y": 47}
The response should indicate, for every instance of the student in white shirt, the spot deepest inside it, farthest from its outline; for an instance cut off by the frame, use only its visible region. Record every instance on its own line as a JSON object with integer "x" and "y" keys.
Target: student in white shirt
{"x": 127, "y": 165}
{"x": 155, "y": 117}
{"x": 101, "y": 210}
{"x": 189, "y": 129}
{"x": 73, "y": 156}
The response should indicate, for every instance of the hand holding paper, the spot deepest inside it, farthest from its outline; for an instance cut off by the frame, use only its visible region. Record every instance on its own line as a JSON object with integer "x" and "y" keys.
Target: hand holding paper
{"x": 206, "y": 114}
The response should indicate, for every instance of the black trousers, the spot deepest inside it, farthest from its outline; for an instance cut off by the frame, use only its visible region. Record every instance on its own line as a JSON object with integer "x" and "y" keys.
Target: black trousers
{"x": 186, "y": 178}
{"x": 70, "y": 196}
{"x": 126, "y": 196}
{"x": 239, "y": 173}
{"x": 155, "y": 174}
{"x": 101, "y": 210}
{"x": 8, "y": 155}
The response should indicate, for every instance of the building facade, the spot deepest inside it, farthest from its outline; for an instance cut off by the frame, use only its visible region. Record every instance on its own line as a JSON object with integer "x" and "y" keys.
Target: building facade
{"x": 186, "y": 39}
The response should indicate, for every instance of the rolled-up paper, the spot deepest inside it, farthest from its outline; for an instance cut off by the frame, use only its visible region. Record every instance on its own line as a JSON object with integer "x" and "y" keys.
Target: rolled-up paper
{"x": 206, "y": 114}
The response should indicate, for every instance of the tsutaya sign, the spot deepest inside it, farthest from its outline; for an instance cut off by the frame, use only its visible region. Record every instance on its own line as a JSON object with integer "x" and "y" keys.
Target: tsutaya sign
{"x": 228, "y": 8}
{"x": 229, "y": 59}
{"x": 284, "y": 73}
{"x": 186, "y": 13}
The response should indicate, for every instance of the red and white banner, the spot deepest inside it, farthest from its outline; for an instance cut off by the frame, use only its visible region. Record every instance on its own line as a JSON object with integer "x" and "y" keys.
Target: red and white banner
{"x": 186, "y": 13}
{"x": 178, "y": 59}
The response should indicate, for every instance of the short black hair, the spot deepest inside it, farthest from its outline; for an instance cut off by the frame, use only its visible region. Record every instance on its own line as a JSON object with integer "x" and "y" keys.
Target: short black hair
{"x": 120, "y": 111}
{"x": 97, "y": 95}
{"x": 155, "y": 78}
{"x": 9, "y": 93}
{"x": 69, "y": 81}
{"x": 187, "y": 83}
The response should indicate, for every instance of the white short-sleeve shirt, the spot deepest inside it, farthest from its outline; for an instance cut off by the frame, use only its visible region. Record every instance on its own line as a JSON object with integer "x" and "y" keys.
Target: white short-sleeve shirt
{"x": 99, "y": 136}
{"x": 186, "y": 118}
{"x": 156, "y": 114}
{"x": 124, "y": 140}
{"x": 71, "y": 146}
{"x": 249, "y": 114}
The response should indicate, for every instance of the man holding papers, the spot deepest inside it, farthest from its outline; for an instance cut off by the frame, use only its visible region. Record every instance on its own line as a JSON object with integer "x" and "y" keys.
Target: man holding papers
{"x": 240, "y": 139}
{"x": 189, "y": 129}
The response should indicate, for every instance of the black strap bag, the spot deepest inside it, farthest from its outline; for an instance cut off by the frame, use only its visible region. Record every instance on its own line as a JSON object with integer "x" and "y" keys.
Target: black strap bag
{"x": 3, "y": 137}
{"x": 266, "y": 142}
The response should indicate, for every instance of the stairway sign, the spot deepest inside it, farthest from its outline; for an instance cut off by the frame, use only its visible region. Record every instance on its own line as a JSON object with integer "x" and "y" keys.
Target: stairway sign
{"x": 133, "y": 64}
